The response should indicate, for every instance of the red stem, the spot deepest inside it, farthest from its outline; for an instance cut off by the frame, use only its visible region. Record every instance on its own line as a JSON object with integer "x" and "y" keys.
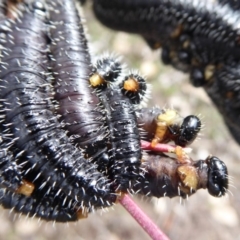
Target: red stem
{"x": 158, "y": 148}
{"x": 144, "y": 221}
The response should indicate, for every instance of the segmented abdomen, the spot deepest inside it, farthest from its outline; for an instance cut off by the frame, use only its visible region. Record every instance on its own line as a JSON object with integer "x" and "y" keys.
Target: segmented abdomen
{"x": 78, "y": 106}
{"x": 49, "y": 206}
{"x": 125, "y": 151}
{"x": 41, "y": 146}
{"x": 165, "y": 21}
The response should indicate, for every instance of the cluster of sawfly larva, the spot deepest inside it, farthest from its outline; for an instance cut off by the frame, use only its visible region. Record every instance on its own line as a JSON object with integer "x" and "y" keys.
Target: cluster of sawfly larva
{"x": 74, "y": 136}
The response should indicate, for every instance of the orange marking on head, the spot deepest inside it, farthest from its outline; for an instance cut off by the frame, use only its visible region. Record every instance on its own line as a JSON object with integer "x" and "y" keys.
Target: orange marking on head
{"x": 131, "y": 84}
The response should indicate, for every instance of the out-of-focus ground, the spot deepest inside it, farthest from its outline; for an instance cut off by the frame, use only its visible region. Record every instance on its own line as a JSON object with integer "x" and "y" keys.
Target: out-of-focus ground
{"x": 200, "y": 217}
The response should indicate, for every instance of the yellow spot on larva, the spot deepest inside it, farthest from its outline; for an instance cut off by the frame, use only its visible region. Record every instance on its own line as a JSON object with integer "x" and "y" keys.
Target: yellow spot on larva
{"x": 168, "y": 117}
{"x": 96, "y": 80}
{"x": 26, "y": 188}
{"x": 188, "y": 176}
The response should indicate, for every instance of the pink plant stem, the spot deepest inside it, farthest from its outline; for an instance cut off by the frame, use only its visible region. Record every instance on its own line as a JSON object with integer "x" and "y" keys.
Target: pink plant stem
{"x": 158, "y": 148}
{"x": 144, "y": 221}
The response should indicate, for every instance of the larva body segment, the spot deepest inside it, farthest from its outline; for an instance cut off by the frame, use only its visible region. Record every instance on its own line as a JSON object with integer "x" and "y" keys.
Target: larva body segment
{"x": 10, "y": 172}
{"x": 42, "y": 205}
{"x": 79, "y": 107}
{"x": 224, "y": 92}
{"x": 125, "y": 152}
{"x": 41, "y": 146}
{"x": 160, "y": 178}
{"x": 124, "y": 140}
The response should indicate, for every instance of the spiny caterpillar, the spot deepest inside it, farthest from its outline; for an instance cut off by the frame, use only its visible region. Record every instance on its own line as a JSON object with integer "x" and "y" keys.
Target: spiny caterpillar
{"x": 70, "y": 145}
{"x": 200, "y": 37}
{"x": 124, "y": 138}
{"x": 40, "y": 147}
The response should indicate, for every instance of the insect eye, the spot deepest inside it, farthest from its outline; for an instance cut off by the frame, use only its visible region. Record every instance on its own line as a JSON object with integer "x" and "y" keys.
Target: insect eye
{"x": 189, "y": 130}
{"x": 217, "y": 177}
